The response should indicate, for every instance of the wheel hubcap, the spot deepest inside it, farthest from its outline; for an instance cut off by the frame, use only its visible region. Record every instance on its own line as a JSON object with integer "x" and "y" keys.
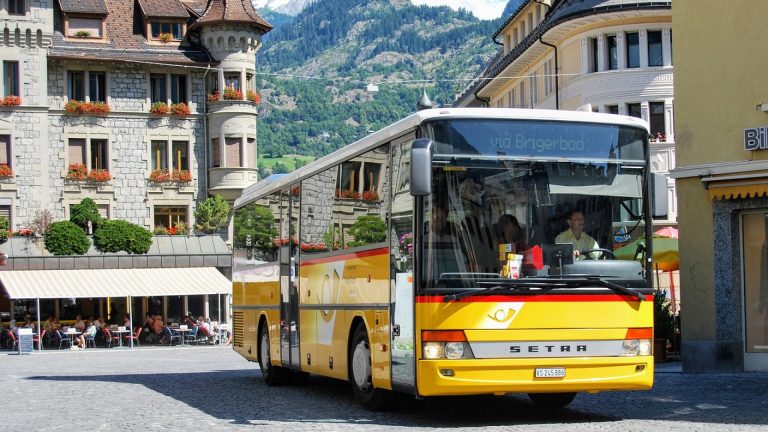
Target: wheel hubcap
{"x": 361, "y": 366}
{"x": 264, "y": 352}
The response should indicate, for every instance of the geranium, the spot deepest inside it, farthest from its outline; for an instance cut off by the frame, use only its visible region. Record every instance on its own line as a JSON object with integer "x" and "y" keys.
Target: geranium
{"x": 313, "y": 247}
{"x": 99, "y": 175}
{"x": 165, "y": 37}
{"x": 160, "y": 175}
{"x": 171, "y": 231}
{"x": 181, "y": 176}
{"x": 405, "y": 244}
{"x": 23, "y": 232}
{"x": 232, "y": 94}
{"x": 77, "y": 171}
{"x": 6, "y": 171}
{"x": 11, "y": 101}
{"x": 347, "y": 194}
{"x": 159, "y": 108}
{"x": 214, "y": 97}
{"x": 370, "y": 196}
{"x": 296, "y": 191}
{"x": 253, "y": 96}
{"x": 180, "y": 110}
{"x": 87, "y": 108}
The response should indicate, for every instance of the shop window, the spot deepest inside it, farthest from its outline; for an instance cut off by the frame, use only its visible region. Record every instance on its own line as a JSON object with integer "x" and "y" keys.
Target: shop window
{"x": 76, "y": 85}
{"x": 97, "y": 86}
{"x": 170, "y": 216}
{"x": 5, "y": 150}
{"x": 755, "y": 245}
{"x": 178, "y": 89}
{"x": 612, "y": 47}
{"x": 655, "y": 52}
{"x": 10, "y": 78}
{"x": 158, "y": 88}
{"x": 633, "y": 50}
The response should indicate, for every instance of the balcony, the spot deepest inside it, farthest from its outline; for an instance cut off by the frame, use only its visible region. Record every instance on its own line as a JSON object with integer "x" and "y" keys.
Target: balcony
{"x": 230, "y": 182}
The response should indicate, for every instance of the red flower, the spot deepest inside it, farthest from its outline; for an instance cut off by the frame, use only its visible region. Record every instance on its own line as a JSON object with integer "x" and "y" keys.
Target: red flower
{"x": 160, "y": 175}
{"x": 253, "y": 96}
{"x": 99, "y": 175}
{"x": 11, "y": 101}
{"x": 180, "y": 110}
{"x": 214, "y": 97}
{"x": 171, "y": 231}
{"x": 159, "y": 108}
{"x": 87, "y": 108}
{"x": 77, "y": 171}
{"x": 232, "y": 94}
{"x": 181, "y": 176}
{"x": 6, "y": 171}
{"x": 370, "y": 196}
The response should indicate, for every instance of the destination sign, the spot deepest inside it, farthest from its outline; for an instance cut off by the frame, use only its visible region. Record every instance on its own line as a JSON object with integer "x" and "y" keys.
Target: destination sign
{"x": 536, "y": 138}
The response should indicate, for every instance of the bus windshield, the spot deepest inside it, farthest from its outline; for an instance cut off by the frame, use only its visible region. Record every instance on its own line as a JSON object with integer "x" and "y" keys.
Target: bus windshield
{"x": 555, "y": 195}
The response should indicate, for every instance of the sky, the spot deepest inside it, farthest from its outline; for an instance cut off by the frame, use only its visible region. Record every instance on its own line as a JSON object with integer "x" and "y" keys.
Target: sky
{"x": 483, "y": 9}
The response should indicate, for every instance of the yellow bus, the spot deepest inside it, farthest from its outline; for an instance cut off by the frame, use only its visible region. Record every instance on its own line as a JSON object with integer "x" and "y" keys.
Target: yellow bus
{"x": 445, "y": 255}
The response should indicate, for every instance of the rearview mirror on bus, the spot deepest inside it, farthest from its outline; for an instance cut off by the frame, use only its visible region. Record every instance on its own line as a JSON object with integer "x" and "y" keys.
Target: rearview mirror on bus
{"x": 421, "y": 167}
{"x": 659, "y": 189}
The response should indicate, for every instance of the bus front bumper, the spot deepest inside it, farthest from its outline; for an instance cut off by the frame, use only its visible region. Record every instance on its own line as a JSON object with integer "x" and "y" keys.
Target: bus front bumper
{"x": 497, "y": 376}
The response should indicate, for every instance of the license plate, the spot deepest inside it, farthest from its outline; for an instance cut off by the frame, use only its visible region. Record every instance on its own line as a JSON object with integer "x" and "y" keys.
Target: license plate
{"x": 550, "y": 372}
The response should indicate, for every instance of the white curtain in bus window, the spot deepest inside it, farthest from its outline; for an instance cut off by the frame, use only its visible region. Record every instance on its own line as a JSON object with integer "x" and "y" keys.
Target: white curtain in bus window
{"x": 755, "y": 244}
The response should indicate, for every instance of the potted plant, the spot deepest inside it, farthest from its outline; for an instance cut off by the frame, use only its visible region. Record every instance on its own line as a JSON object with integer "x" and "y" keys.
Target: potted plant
{"x": 11, "y": 101}
{"x": 165, "y": 37}
{"x": 232, "y": 94}
{"x": 253, "y": 96}
{"x": 83, "y": 33}
{"x": 663, "y": 325}
{"x": 159, "y": 108}
{"x": 214, "y": 97}
{"x": 99, "y": 175}
{"x": 180, "y": 110}
{"x": 6, "y": 171}
{"x": 181, "y": 176}
{"x": 77, "y": 171}
{"x": 160, "y": 176}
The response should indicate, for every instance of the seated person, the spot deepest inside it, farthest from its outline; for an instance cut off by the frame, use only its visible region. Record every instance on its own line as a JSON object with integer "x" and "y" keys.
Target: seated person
{"x": 79, "y": 323}
{"x": 575, "y": 234}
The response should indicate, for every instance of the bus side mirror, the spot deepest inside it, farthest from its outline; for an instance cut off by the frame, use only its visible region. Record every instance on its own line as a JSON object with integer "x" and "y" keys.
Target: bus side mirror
{"x": 421, "y": 167}
{"x": 660, "y": 195}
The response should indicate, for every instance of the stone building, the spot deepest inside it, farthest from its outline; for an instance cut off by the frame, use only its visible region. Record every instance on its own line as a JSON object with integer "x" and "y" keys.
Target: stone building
{"x": 609, "y": 56}
{"x": 145, "y": 106}
{"x": 152, "y": 101}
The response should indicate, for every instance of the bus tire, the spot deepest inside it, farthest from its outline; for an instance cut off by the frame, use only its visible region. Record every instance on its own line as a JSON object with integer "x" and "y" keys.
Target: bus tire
{"x": 552, "y": 400}
{"x": 361, "y": 376}
{"x": 272, "y": 375}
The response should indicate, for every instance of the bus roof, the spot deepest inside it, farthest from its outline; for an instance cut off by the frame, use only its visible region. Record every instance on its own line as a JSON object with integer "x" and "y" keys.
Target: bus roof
{"x": 412, "y": 122}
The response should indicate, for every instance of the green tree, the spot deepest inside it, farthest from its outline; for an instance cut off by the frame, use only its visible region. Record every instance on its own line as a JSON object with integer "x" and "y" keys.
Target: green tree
{"x": 118, "y": 235}
{"x": 66, "y": 238}
{"x": 84, "y": 212}
{"x": 258, "y": 222}
{"x": 368, "y": 229}
{"x": 212, "y": 214}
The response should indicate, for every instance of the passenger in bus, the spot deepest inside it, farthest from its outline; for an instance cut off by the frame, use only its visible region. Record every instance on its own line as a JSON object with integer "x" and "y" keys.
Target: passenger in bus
{"x": 575, "y": 234}
{"x": 508, "y": 231}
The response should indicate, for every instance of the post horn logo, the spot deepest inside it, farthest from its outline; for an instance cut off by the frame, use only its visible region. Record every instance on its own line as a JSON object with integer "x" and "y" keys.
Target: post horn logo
{"x": 506, "y": 314}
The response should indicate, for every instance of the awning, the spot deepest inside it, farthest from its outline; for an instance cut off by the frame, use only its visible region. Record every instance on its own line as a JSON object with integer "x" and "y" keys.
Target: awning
{"x": 53, "y": 284}
{"x": 731, "y": 191}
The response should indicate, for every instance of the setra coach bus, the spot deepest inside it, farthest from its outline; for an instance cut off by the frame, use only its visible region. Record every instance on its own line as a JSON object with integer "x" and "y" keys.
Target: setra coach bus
{"x": 428, "y": 259}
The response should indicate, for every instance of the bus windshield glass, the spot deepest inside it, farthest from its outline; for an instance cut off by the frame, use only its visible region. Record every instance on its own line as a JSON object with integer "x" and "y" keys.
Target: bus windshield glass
{"x": 535, "y": 198}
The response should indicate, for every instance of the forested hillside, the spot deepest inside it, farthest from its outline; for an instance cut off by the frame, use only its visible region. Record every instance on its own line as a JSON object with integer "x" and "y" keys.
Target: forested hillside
{"x": 338, "y": 46}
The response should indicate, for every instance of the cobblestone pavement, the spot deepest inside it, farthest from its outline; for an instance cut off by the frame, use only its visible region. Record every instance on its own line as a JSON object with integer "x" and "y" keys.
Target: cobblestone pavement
{"x": 212, "y": 389}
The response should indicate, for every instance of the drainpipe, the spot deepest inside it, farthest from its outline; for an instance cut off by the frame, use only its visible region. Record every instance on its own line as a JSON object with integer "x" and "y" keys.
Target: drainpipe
{"x": 205, "y": 127}
{"x": 557, "y": 67}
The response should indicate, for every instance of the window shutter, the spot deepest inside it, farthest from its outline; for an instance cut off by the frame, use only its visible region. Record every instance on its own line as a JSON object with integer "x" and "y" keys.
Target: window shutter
{"x": 233, "y": 152}
{"x": 76, "y": 151}
{"x": 5, "y": 149}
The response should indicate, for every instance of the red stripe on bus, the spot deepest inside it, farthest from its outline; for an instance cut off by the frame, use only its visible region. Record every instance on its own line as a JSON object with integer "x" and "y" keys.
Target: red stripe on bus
{"x": 347, "y": 256}
{"x": 538, "y": 298}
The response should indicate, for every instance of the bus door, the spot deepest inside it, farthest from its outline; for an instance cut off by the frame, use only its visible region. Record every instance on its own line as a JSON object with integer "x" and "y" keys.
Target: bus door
{"x": 289, "y": 295}
{"x": 403, "y": 364}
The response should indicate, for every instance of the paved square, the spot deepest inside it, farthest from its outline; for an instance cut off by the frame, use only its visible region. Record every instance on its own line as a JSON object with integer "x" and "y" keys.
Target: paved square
{"x": 212, "y": 389}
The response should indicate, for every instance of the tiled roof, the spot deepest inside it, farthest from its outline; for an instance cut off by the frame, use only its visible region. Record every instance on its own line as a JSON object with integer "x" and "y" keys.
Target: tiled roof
{"x": 241, "y": 11}
{"x": 126, "y": 41}
{"x": 163, "y": 9}
{"x": 91, "y": 7}
{"x": 196, "y": 6}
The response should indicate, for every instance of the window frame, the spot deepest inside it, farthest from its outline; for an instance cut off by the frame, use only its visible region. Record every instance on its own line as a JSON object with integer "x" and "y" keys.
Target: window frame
{"x": 71, "y": 89}
{"x": 632, "y": 48}
{"x": 20, "y": 7}
{"x": 179, "y": 85}
{"x": 171, "y": 212}
{"x": 89, "y": 140}
{"x": 7, "y": 140}
{"x": 612, "y": 44}
{"x": 100, "y": 86}
{"x": 170, "y": 25}
{"x": 660, "y": 48}
{"x": 11, "y": 81}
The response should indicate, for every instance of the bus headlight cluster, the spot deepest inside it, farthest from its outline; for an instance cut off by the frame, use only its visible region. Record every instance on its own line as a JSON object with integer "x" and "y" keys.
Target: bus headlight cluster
{"x": 636, "y": 347}
{"x": 446, "y": 350}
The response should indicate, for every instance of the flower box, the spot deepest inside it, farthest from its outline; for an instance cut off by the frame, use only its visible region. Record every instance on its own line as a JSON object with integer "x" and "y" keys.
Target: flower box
{"x": 77, "y": 171}
{"x": 99, "y": 175}
{"x": 160, "y": 176}
{"x": 370, "y": 196}
{"x": 165, "y": 37}
{"x": 11, "y": 101}
{"x": 181, "y": 176}
{"x": 87, "y": 108}
{"x": 347, "y": 194}
{"x": 214, "y": 97}
{"x": 160, "y": 108}
{"x": 6, "y": 171}
{"x": 165, "y": 176}
{"x": 232, "y": 94}
{"x": 180, "y": 110}
{"x": 253, "y": 96}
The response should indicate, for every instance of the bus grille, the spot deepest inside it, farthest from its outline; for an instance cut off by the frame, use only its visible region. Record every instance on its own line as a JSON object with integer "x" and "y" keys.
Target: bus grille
{"x": 237, "y": 329}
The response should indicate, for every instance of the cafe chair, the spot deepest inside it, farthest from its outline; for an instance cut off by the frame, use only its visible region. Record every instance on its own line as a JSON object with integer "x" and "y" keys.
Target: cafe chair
{"x": 13, "y": 342}
{"x": 171, "y": 335}
{"x": 90, "y": 340}
{"x": 134, "y": 336}
{"x": 63, "y": 339}
{"x": 108, "y": 338}
{"x": 37, "y": 339}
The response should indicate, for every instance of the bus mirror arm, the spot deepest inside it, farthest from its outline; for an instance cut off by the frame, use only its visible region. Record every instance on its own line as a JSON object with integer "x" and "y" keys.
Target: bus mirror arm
{"x": 421, "y": 167}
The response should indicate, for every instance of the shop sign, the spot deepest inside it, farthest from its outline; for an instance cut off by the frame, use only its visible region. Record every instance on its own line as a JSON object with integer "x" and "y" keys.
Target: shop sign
{"x": 756, "y": 138}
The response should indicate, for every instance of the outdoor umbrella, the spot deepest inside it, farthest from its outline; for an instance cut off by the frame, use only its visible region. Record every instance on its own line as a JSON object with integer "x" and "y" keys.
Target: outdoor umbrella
{"x": 670, "y": 232}
{"x": 665, "y": 252}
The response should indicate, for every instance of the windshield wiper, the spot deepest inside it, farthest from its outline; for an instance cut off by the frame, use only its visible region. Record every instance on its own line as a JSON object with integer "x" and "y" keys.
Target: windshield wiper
{"x": 512, "y": 285}
{"x": 582, "y": 279}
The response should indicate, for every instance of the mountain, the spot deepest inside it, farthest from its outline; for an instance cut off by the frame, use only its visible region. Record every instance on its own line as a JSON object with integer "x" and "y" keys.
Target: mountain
{"x": 277, "y": 19}
{"x": 511, "y": 6}
{"x": 287, "y": 7}
{"x": 314, "y": 69}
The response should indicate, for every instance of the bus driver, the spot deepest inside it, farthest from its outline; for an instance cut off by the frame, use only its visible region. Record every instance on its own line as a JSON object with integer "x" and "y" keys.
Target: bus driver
{"x": 575, "y": 234}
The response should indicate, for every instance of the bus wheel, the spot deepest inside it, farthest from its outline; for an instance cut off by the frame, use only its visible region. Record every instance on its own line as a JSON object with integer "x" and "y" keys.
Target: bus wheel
{"x": 272, "y": 375}
{"x": 360, "y": 374}
{"x": 552, "y": 400}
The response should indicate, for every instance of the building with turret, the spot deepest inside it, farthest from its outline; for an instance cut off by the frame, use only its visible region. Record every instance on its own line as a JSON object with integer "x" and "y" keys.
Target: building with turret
{"x": 145, "y": 106}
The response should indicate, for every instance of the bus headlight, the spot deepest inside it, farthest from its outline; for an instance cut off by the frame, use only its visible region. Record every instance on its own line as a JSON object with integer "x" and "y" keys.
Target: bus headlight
{"x": 433, "y": 350}
{"x": 454, "y": 350}
{"x": 637, "y": 342}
